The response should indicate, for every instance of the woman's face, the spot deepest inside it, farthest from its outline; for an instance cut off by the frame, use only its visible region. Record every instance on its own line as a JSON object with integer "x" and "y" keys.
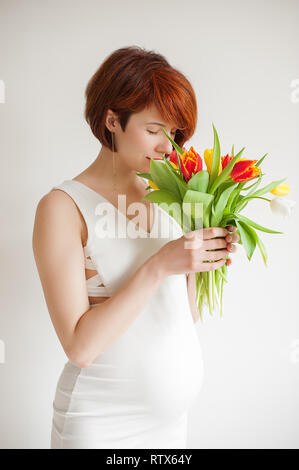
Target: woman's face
{"x": 142, "y": 138}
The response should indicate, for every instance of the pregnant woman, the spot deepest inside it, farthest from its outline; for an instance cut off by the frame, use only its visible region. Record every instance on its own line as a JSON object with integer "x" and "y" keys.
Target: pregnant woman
{"x": 123, "y": 306}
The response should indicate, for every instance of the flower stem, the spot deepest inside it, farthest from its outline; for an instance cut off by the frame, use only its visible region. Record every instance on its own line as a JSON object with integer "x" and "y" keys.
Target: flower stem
{"x": 221, "y": 296}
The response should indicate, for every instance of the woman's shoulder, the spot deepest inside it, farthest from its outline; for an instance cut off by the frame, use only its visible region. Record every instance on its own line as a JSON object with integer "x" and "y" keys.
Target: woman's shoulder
{"x": 56, "y": 201}
{"x": 57, "y": 209}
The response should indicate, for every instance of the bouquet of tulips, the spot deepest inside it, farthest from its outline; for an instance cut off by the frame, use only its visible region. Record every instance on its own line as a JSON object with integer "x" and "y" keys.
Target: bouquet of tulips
{"x": 199, "y": 198}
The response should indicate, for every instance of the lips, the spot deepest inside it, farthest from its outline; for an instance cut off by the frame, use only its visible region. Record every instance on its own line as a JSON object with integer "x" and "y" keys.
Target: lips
{"x": 154, "y": 158}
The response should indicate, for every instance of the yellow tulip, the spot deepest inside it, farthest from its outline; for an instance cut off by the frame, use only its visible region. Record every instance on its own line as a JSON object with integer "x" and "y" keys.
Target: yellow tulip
{"x": 152, "y": 184}
{"x": 208, "y": 157}
{"x": 281, "y": 190}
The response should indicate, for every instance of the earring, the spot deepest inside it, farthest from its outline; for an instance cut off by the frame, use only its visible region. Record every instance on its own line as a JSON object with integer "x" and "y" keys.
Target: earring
{"x": 114, "y": 170}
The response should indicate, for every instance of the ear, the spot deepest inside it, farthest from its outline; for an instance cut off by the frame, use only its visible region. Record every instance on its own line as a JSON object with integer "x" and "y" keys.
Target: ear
{"x": 111, "y": 120}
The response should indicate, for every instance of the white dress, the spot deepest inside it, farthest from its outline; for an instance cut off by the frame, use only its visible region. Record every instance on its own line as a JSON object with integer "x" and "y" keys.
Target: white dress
{"x": 136, "y": 394}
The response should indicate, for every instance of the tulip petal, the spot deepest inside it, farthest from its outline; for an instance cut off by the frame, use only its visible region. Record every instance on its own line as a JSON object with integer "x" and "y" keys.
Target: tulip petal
{"x": 191, "y": 163}
{"x": 208, "y": 156}
{"x": 251, "y": 172}
{"x": 241, "y": 166}
{"x": 225, "y": 160}
{"x": 281, "y": 190}
{"x": 152, "y": 184}
{"x": 282, "y": 207}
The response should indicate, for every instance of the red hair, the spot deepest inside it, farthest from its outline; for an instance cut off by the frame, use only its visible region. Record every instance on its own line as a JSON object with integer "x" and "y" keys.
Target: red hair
{"x": 131, "y": 79}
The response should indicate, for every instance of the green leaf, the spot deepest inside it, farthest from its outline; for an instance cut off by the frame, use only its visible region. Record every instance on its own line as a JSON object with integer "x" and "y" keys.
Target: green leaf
{"x": 195, "y": 198}
{"x": 169, "y": 165}
{"x": 175, "y": 145}
{"x": 160, "y": 175}
{"x": 269, "y": 187}
{"x": 233, "y": 196}
{"x": 173, "y": 180}
{"x": 222, "y": 187}
{"x": 220, "y": 206}
{"x": 178, "y": 150}
{"x": 260, "y": 161}
{"x": 248, "y": 240}
{"x": 253, "y": 224}
{"x": 161, "y": 195}
{"x": 247, "y": 198}
{"x": 225, "y": 173}
{"x": 262, "y": 249}
{"x": 180, "y": 183}
{"x": 170, "y": 204}
{"x": 144, "y": 175}
{"x": 254, "y": 185}
{"x": 259, "y": 243}
{"x": 216, "y": 158}
{"x": 199, "y": 181}
{"x": 179, "y": 164}
{"x": 236, "y": 203}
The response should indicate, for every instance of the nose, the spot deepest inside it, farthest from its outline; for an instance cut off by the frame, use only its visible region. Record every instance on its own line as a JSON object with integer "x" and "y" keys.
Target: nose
{"x": 165, "y": 146}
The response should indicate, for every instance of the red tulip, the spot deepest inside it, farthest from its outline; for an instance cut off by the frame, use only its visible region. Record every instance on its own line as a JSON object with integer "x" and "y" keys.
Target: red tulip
{"x": 243, "y": 170}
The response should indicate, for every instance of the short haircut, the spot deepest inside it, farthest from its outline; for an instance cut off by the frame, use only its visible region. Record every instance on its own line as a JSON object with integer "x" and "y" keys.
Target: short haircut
{"x": 131, "y": 79}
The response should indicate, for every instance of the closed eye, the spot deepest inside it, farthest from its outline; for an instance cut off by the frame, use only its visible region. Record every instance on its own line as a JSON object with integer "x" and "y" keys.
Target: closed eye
{"x": 150, "y": 132}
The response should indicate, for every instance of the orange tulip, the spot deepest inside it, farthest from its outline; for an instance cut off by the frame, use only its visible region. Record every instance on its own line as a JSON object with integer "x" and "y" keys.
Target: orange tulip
{"x": 191, "y": 162}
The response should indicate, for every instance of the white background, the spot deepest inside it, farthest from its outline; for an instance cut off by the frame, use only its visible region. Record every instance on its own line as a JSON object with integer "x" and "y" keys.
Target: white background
{"x": 241, "y": 58}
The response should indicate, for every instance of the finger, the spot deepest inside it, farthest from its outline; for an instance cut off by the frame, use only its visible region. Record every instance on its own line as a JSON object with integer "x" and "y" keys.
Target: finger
{"x": 212, "y": 266}
{"x": 228, "y": 261}
{"x": 213, "y": 232}
{"x": 231, "y": 228}
{"x": 215, "y": 255}
{"x": 231, "y": 248}
{"x": 214, "y": 244}
{"x": 233, "y": 237}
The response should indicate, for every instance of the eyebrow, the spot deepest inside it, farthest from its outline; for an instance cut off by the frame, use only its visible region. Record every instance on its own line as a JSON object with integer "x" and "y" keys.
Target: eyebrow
{"x": 158, "y": 123}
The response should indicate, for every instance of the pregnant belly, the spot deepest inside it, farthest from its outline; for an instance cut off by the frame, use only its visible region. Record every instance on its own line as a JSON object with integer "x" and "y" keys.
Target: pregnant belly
{"x": 170, "y": 373}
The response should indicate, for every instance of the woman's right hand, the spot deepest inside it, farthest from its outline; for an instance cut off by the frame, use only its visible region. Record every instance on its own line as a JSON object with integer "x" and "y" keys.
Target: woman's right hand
{"x": 191, "y": 252}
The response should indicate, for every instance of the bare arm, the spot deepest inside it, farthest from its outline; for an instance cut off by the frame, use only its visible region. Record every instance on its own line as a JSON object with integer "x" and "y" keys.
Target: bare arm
{"x": 101, "y": 326}
{"x": 84, "y": 332}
